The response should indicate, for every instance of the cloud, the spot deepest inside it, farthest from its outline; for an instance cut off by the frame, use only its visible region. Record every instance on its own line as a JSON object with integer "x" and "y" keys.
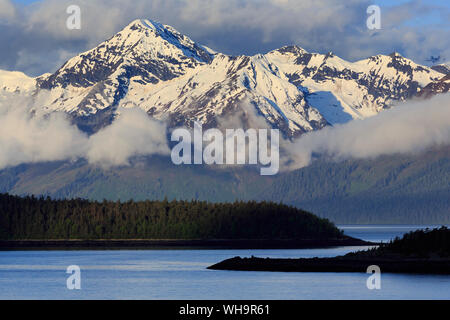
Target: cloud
{"x": 25, "y": 138}
{"x": 408, "y": 128}
{"x": 134, "y": 133}
{"x": 37, "y": 32}
{"x": 7, "y": 11}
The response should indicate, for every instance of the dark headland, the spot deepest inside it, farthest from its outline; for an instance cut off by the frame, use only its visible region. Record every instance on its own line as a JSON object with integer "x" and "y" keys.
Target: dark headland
{"x": 30, "y": 223}
{"x": 423, "y": 251}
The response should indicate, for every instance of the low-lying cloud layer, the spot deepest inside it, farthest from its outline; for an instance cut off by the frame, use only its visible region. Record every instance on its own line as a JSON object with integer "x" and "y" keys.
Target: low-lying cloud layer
{"x": 24, "y": 139}
{"x": 408, "y": 128}
{"x": 28, "y": 139}
{"x": 133, "y": 133}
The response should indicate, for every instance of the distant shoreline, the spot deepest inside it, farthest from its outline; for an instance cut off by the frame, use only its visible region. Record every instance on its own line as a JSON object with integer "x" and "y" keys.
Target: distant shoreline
{"x": 142, "y": 244}
{"x": 338, "y": 264}
{"x": 421, "y": 251}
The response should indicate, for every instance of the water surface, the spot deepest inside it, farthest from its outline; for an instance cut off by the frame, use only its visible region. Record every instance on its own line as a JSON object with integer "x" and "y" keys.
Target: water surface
{"x": 182, "y": 274}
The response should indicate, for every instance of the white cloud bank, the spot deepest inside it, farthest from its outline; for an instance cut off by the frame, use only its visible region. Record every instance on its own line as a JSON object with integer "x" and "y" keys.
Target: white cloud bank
{"x": 24, "y": 139}
{"x": 408, "y": 128}
{"x": 28, "y": 139}
{"x": 134, "y": 133}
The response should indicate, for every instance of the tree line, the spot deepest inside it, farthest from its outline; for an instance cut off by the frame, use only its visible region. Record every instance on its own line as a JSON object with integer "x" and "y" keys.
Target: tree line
{"x": 31, "y": 217}
{"x": 419, "y": 244}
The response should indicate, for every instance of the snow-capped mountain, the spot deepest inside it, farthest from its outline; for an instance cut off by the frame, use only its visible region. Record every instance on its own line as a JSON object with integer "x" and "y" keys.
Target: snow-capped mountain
{"x": 226, "y": 85}
{"x": 342, "y": 90}
{"x": 442, "y": 68}
{"x": 14, "y": 81}
{"x": 156, "y": 68}
{"x": 436, "y": 87}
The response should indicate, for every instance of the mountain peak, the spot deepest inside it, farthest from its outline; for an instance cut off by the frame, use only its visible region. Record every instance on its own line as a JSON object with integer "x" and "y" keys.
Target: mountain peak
{"x": 395, "y": 54}
{"x": 144, "y": 48}
{"x": 146, "y": 24}
{"x": 154, "y": 36}
{"x": 293, "y": 49}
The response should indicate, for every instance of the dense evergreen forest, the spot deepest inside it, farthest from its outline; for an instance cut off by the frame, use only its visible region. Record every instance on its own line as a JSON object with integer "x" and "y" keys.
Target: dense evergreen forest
{"x": 45, "y": 218}
{"x": 420, "y": 243}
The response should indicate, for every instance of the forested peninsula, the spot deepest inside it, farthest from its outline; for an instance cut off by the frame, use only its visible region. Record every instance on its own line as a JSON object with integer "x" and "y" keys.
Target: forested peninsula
{"x": 34, "y": 222}
{"x": 421, "y": 251}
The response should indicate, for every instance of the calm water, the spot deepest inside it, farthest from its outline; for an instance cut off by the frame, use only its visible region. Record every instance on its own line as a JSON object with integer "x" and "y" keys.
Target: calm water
{"x": 182, "y": 274}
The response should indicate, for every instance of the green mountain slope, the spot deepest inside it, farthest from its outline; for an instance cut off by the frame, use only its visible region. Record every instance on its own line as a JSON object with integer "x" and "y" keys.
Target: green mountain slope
{"x": 394, "y": 189}
{"x": 390, "y": 189}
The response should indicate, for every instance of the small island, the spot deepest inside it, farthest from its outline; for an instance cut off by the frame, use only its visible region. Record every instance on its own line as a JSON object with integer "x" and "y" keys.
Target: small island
{"x": 422, "y": 251}
{"x": 31, "y": 223}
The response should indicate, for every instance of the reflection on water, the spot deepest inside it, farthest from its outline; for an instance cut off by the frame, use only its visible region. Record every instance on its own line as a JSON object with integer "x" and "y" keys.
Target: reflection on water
{"x": 182, "y": 274}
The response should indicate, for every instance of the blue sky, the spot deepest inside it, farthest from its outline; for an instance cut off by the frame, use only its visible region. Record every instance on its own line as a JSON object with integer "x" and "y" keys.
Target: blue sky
{"x": 431, "y": 18}
{"x": 38, "y": 41}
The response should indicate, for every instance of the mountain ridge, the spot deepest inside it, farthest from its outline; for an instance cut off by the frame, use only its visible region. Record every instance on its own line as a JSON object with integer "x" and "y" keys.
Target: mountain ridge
{"x": 156, "y": 68}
